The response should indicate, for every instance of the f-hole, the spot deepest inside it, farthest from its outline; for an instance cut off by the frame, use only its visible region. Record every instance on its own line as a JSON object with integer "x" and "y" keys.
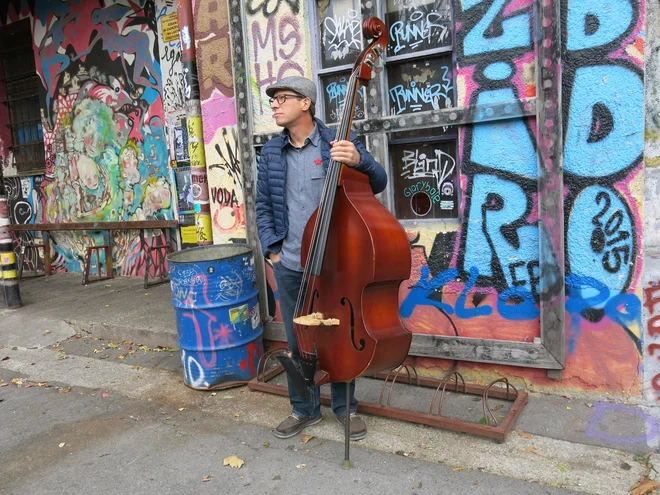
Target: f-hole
{"x": 315, "y": 295}
{"x": 343, "y": 301}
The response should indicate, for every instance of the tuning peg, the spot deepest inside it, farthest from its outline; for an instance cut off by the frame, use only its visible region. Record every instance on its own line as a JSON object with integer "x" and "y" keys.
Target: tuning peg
{"x": 378, "y": 50}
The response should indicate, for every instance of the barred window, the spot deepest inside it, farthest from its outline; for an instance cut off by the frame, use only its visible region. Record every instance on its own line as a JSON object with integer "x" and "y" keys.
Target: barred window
{"x": 21, "y": 97}
{"x": 419, "y": 76}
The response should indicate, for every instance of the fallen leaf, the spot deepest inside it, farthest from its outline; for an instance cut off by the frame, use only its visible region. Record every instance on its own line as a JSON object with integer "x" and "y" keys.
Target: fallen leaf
{"x": 96, "y": 351}
{"x": 498, "y": 407}
{"x": 14, "y": 348}
{"x": 120, "y": 357}
{"x": 227, "y": 396}
{"x": 531, "y": 449}
{"x": 233, "y": 461}
{"x": 46, "y": 332}
{"x": 105, "y": 395}
{"x": 589, "y": 404}
{"x": 5, "y": 358}
{"x": 562, "y": 468}
{"x": 137, "y": 367}
{"x": 29, "y": 385}
{"x": 236, "y": 415}
{"x": 528, "y": 436}
{"x": 62, "y": 444}
{"x": 15, "y": 380}
{"x": 207, "y": 478}
{"x": 645, "y": 487}
{"x": 113, "y": 346}
{"x": 41, "y": 384}
{"x": 568, "y": 408}
{"x": 65, "y": 390}
{"x": 181, "y": 408}
{"x": 300, "y": 466}
{"x": 277, "y": 478}
{"x": 3, "y": 384}
{"x": 459, "y": 469}
{"x": 266, "y": 444}
{"x": 306, "y": 438}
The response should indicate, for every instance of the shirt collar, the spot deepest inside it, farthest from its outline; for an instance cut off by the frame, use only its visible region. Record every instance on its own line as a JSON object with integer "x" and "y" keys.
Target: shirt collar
{"x": 313, "y": 138}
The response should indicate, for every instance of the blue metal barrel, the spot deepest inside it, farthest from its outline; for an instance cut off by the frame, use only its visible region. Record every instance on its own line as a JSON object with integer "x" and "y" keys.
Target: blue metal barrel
{"x": 215, "y": 299}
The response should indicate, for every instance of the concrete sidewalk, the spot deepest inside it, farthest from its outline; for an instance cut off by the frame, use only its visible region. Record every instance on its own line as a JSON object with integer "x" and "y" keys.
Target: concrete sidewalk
{"x": 117, "y": 309}
{"x": 585, "y": 445}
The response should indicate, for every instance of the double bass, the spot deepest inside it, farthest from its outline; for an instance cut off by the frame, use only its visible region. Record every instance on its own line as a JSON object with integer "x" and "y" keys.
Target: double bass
{"x": 356, "y": 255}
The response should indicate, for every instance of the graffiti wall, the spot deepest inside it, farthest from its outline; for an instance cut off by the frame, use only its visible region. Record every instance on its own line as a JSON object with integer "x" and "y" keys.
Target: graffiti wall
{"x": 488, "y": 286}
{"x": 478, "y": 276}
{"x": 103, "y": 120}
{"x": 216, "y": 86}
{"x": 278, "y": 46}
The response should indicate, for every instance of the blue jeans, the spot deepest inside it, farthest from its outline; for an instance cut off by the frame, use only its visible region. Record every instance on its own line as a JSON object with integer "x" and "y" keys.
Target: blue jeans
{"x": 288, "y": 286}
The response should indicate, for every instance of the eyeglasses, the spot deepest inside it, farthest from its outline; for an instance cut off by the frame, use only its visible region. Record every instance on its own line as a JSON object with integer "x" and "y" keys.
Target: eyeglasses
{"x": 282, "y": 98}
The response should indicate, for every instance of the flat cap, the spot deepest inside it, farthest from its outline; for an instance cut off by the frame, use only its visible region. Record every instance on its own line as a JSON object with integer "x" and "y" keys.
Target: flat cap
{"x": 300, "y": 85}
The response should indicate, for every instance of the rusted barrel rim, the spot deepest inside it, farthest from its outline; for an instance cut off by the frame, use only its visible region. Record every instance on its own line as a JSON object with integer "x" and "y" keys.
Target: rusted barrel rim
{"x": 209, "y": 253}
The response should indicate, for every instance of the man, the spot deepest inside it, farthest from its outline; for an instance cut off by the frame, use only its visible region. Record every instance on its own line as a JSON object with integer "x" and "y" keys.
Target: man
{"x": 290, "y": 181}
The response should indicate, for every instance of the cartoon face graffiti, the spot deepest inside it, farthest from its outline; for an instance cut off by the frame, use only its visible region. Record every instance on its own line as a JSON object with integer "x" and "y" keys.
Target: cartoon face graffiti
{"x": 92, "y": 127}
{"x": 88, "y": 172}
{"x": 156, "y": 197}
{"x": 129, "y": 165}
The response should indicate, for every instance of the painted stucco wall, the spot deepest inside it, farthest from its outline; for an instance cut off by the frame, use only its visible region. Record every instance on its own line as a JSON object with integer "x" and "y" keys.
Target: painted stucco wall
{"x": 103, "y": 122}
{"x": 651, "y": 276}
{"x": 278, "y": 40}
{"x": 479, "y": 277}
{"x": 217, "y": 96}
{"x": 489, "y": 286}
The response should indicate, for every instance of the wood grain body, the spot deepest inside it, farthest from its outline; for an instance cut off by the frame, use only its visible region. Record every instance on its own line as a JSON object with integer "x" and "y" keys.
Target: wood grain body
{"x": 367, "y": 257}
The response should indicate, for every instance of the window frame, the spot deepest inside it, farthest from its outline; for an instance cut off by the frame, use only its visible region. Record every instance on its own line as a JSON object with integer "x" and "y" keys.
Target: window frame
{"x": 547, "y": 352}
{"x": 23, "y": 102}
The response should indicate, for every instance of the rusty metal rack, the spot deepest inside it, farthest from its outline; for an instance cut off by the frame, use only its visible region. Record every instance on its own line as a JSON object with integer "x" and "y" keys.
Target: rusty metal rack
{"x": 453, "y": 382}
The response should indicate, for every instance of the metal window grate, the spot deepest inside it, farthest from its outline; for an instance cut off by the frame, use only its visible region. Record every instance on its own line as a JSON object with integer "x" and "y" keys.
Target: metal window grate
{"x": 21, "y": 97}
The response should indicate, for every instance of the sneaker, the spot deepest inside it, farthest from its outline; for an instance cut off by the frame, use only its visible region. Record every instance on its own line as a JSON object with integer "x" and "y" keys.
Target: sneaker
{"x": 293, "y": 425}
{"x": 358, "y": 426}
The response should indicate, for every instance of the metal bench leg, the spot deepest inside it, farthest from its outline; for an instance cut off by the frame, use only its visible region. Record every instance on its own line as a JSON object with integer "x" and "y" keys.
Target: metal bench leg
{"x": 21, "y": 261}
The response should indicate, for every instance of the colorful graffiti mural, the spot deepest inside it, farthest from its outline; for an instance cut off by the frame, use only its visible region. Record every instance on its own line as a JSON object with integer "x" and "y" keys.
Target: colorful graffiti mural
{"x": 278, "y": 46}
{"x": 491, "y": 276}
{"x": 104, "y": 129}
{"x": 219, "y": 118}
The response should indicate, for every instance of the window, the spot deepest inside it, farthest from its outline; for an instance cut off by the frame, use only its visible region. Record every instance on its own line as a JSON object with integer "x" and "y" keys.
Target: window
{"x": 419, "y": 77}
{"x": 340, "y": 26}
{"x": 22, "y": 88}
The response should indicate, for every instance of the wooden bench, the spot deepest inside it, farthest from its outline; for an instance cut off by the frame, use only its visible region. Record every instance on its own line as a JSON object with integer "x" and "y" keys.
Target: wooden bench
{"x": 162, "y": 250}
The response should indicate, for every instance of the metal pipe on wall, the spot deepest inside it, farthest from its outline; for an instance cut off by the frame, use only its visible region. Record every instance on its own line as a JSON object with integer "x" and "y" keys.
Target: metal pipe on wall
{"x": 193, "y": 106}
{"x": 8, "y": 266}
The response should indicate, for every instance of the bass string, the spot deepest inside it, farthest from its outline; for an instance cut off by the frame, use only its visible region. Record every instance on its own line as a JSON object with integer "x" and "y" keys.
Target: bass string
{"x": 322, "y": 223}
